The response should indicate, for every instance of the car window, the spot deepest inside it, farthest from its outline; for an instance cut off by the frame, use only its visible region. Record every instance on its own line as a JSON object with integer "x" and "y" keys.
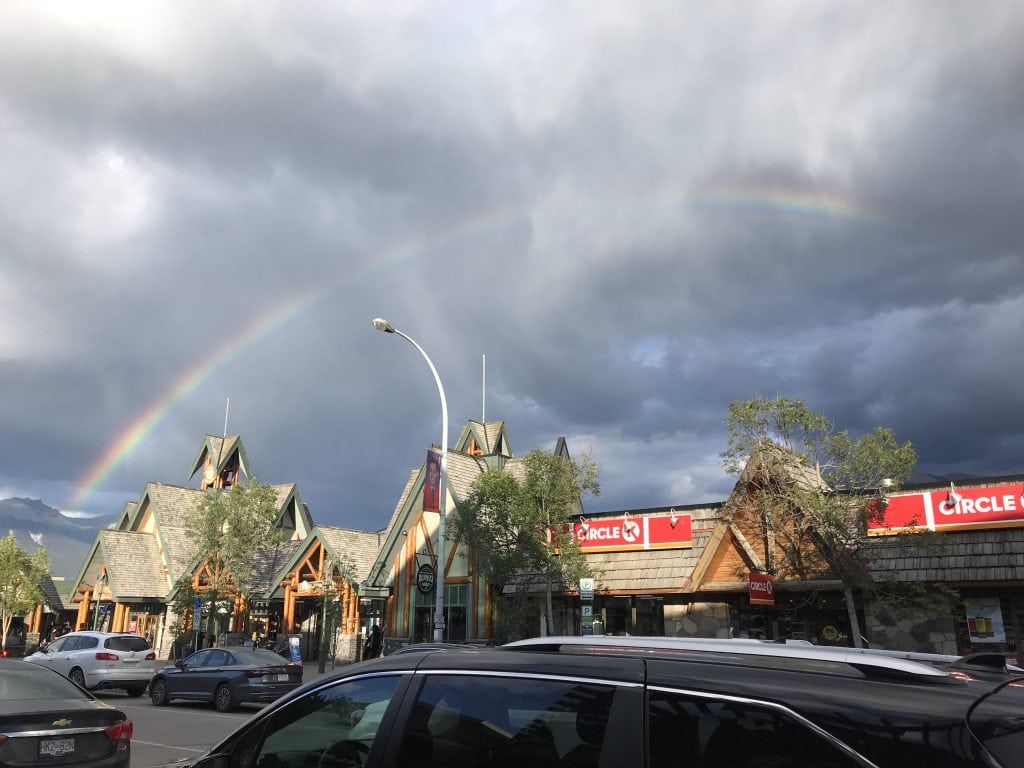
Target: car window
{"x": 126, "y": 643}
{"x": 197, "y": 659}
{"x": 86, "y": 641}
{"x": 71, "y": 643}
{"x": 58, "y": 644}
{"x": 332, "y": 728}
{"x": 217, "y": 659}
{"x": 36, "y": 683}
{"x": 686, "y": 731}
{"x": 478, "y": 720}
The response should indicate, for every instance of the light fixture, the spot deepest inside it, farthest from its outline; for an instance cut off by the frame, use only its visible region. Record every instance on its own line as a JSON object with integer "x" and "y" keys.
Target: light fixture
{"x": 952, "y": 498}
{"x": 439, "y": 618}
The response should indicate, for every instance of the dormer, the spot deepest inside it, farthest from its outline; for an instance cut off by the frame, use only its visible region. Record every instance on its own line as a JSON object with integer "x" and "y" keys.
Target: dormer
{"x": 484, "y": 439}
{"x": 221, "y": 460}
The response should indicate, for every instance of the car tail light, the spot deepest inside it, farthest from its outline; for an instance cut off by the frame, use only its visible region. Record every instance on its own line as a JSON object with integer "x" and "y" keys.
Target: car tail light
{"x": 151, "y": 656}
{"x": 2, "y": 738}
{"x": 120, "y": 732}
{"x": 104, "y": 656}
{"x": 251, "y": 673}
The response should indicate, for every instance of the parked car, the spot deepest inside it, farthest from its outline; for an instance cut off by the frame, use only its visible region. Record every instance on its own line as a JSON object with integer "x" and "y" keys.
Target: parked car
{"x": 636, "y": 701}
{"x": 226, "y": 677}
{"x": 100, "y": 660}
{"x": 45, "y": 720}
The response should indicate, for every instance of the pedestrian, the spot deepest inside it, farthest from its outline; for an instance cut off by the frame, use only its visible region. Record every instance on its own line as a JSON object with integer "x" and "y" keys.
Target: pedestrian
{"x": 374, "y": 643}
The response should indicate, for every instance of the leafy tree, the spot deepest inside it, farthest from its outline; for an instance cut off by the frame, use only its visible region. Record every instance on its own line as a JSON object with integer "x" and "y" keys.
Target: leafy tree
{"x": 21, "y": 582}
{"x": 520, "y": 530}
{"x": 227, "y": 529}
{"x": 815, "y": 488}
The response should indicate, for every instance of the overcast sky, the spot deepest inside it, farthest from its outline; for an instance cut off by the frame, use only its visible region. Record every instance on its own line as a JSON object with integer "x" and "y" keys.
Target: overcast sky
{"x": 637, "y": 211}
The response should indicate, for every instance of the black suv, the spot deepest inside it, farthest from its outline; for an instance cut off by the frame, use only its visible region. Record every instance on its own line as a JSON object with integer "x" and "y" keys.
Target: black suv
{"x": 632, "y": 701}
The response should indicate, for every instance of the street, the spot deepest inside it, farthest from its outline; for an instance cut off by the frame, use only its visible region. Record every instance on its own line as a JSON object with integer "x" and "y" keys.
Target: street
{"x": 181, "y": 729}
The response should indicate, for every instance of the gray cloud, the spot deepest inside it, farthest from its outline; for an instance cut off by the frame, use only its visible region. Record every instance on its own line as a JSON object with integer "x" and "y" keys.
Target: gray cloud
{"x": 637, "y": 215}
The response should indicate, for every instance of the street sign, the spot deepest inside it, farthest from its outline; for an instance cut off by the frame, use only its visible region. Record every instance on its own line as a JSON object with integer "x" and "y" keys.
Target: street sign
{"x": 197, "y": 608}
{"x": 439, "y": 622}
{"x": 197, "y": 603}
{"x": 586, "y": 589}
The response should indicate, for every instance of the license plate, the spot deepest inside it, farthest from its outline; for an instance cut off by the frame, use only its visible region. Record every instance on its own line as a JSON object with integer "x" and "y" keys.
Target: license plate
{"x": 282, "y": 678}
{"x": 56, "y": 747}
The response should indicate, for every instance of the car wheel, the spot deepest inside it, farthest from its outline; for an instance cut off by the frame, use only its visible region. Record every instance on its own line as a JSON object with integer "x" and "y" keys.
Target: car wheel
{"x": 135, "y": 690}
{"x": 77, "y": 676}
{"x": 158, "y": 693}
{"x": 223, "y": 699}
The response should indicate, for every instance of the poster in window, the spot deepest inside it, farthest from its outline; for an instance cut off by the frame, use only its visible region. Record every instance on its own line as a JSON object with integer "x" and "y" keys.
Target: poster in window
{"x": 984, "y": 620}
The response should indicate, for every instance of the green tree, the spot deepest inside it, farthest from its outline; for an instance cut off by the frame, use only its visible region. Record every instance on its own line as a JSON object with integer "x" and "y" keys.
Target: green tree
{"x": 519, "y": 528}
{"x": 227, "y": 529}
{"x": 21, "y": 582}
{"x": 816, "y": 488}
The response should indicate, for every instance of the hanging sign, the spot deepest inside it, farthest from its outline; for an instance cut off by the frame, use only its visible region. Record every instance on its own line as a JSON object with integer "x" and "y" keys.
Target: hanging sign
{"x": 425, "y": 578}
{"x": 761, "y": 589}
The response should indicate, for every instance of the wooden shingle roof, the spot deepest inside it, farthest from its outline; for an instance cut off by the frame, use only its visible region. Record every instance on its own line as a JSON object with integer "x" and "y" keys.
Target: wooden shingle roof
{"x": 357, "y": 550}
{"x": 171, "y": 506}
{"x": 134, "y": 564}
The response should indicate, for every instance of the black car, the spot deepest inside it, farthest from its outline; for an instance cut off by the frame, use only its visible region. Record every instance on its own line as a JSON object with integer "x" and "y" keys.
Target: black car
{"x": 226, "y": 677}
{"x": 46, "y": 720}
{"x": 634, "y": 701}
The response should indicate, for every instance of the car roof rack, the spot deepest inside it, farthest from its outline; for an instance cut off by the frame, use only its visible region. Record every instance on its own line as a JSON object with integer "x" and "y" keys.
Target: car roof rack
{"x": 865, "y": 660}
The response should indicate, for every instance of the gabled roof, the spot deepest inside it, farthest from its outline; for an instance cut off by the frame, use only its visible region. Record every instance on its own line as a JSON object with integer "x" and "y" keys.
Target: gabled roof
{"x": 54, "y": 598}
{"x": 133, "y": 565}
{"x": 356, "y": 551}
{"x": 269, "y": 566}
{"x": 221, "y": 450}
{"x": 288, "y": 495}
{"x": 127, "y": 515}
{"x": 490, "y": 438}
{"x": 171, "y": 505}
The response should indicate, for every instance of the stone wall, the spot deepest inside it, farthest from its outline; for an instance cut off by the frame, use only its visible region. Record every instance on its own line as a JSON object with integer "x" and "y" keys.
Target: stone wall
{"x": 697, "y": 620}
{"x": 925, "y": 630}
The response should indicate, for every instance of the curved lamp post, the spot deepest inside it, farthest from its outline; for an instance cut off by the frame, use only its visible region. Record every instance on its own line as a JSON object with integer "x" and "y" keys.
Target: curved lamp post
{"x": 384, "y": 326}
{"x": 101, "y": 581}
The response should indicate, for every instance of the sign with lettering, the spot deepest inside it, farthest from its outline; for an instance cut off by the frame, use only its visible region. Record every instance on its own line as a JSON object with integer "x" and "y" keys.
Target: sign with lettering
{"x": 761, "y": 588}
{"x": 956, "y": 509}
{"x": 622, "y": 534}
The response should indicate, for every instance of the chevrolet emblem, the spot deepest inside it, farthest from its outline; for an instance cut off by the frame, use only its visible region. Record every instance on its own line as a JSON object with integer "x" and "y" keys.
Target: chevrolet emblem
{"x": 62, "y": 723}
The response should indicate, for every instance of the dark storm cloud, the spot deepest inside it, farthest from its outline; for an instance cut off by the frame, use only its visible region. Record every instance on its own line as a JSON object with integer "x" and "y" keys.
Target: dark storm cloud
{"x": 637, "y": 216}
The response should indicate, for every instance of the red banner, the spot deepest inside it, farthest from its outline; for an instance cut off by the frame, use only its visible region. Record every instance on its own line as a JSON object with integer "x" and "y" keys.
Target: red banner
{"x": 761, "y": 588}
{"x": 622, "y": 534}
{"x": 952, "y": 509}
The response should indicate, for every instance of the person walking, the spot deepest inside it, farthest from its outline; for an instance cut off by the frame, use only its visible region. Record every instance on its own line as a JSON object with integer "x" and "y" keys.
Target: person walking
{"x": 374, "y": 643}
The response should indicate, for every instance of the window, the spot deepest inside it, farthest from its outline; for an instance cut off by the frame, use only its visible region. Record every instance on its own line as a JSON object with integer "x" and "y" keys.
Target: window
{"x": 334, "y": 728}
{"x": 690, "y": 731}
{"x": 463, "y": 720}
{"x": 127, "y": 643}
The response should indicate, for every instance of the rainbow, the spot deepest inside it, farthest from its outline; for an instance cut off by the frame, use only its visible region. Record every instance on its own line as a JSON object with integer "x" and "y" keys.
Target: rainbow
{"x": 776, "y": 199}
{"x": 192, "y": 380}
{"x": 779, "y": 199}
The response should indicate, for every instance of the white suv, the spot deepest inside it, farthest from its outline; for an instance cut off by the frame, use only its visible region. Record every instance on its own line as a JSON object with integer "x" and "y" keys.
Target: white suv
{"x": 98, "y": 660}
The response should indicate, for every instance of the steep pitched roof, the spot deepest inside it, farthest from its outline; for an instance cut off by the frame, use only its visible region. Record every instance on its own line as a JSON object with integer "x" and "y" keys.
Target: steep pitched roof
{"x": 134, "y": 565}
{"x": 489, "y": 437}
{"x": 268, "y": 565}
{"x": 355, "y": 550}
{"x": 171, "y": 506}
{"x": 220, "y": 450}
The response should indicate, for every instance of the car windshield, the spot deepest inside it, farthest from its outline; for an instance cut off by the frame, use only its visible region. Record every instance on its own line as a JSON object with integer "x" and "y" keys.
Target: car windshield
{"x": 33, "y": 683}
{"x": 259, "y": 657}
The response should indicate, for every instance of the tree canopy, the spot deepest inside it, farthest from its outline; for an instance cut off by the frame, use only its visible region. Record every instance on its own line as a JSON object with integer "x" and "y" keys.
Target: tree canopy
{"x": 815, "y": 487}
{"x": 228, "y": 528}
{"x": 519, "y": 527}
{"x": 21, "y": 581}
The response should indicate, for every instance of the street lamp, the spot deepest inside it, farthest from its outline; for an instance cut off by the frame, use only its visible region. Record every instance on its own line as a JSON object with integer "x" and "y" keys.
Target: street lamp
{"x": 384, "y": 326}
{"x": 97, "y": 590}
{"x": 328, "y": 582}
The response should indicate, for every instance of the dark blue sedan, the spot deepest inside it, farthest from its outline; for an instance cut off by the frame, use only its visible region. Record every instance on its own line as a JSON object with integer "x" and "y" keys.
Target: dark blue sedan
{"x": 226, "y": 677}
